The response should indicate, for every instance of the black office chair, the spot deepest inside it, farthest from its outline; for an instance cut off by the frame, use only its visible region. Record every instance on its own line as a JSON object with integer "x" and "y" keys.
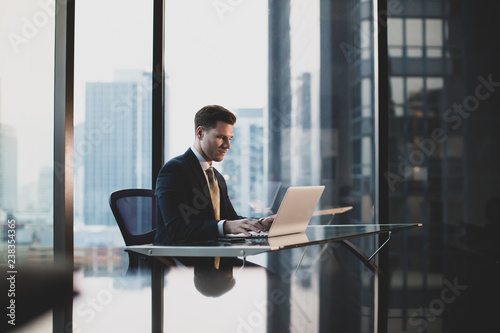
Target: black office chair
{"x": 135, "y": 213}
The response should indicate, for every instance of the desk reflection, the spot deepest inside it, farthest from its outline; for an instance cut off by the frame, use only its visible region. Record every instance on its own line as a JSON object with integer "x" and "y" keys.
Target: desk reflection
{"x": 208, "y": 280}
{"x": 331, "y": 289}
{"x": 213, "y": 282}
{"x": 201, "y": 298}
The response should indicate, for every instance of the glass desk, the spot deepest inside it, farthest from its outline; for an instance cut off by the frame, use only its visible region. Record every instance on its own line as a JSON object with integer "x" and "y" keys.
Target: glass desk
{"x": 315, "y": 234}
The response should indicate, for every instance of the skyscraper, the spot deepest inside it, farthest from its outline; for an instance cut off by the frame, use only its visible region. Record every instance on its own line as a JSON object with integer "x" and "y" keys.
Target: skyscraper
{"x": 8, "y": 169}
{"x": 244, "y": 164}
{"x": 322, "y": 105}
{"x": 45, "y": 190}
{"x": 116, "y": 144}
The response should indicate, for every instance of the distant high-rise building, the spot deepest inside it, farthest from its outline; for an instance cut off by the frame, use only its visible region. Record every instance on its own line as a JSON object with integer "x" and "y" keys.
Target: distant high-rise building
{"x": 45, "y": 190}
{"x": 8, "y": 168}
{"x": 309, "y": 124}
{"x": 116, "y": 141}
{"x": 244, "y": 163}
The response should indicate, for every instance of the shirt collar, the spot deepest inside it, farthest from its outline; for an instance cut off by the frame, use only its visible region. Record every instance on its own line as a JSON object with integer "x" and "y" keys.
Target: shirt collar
{"x": 204, "y": 164}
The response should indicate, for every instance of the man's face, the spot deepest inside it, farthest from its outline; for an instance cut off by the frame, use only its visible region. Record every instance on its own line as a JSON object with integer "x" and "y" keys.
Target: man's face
{"x": 216, "y": 141}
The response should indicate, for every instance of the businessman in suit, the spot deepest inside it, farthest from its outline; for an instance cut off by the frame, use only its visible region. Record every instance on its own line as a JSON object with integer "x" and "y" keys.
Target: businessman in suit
{"x": 192, "y": 198}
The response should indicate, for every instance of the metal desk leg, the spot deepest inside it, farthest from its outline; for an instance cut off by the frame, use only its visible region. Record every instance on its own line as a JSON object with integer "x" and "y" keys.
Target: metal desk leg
{"x": 157, "y": 282}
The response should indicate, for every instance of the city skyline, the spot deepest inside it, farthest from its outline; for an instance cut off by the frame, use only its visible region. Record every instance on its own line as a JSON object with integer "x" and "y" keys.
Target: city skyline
{"x": 240, "y": 36}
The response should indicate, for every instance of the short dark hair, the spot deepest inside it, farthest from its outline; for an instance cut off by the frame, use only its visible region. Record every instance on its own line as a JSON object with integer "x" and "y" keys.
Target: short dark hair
{"x": 208, "y": 116}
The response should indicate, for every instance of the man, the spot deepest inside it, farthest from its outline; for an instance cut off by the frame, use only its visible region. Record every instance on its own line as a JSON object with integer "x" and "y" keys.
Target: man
{"x": 192, "y": 198}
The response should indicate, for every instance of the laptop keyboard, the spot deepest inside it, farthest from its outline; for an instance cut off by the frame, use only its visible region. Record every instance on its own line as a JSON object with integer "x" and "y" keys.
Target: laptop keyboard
{"x": 253, "y": 234}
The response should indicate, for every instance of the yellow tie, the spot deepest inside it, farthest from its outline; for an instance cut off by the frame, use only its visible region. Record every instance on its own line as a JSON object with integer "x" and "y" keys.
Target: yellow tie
{"x": 214, "y": 192}
{"x": 215, "y": 195}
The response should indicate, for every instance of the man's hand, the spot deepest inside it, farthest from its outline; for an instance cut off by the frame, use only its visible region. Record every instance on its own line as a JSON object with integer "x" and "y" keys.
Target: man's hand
{"x": 243, "y": 226}
{"x": 267, "y": 221}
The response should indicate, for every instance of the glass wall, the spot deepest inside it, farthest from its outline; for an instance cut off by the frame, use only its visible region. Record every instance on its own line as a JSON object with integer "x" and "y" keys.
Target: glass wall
{"x": 26, "y": 130}
{"x": 321, "y": 119}
{"x": 299, "y": 76}
{"x": 443, "y": 169}
{"x": 218, "y": 55}
{"x": 112, "y": 145}
{"x": 26, "y": 141}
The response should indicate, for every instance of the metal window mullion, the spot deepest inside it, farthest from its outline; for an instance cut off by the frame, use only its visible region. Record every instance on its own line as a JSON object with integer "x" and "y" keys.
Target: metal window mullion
{"x": 63, "y": 160}
{"x": 158, "y": 90}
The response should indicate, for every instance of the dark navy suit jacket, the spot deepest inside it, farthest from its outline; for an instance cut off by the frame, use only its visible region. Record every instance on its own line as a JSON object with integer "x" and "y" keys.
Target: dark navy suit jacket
{"x": 184, "y": 207}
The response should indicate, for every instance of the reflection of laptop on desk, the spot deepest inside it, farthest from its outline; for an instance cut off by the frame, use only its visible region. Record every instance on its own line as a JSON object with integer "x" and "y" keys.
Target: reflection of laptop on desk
{"x": 294, "y": 213}
{"x": 279, "y": 242}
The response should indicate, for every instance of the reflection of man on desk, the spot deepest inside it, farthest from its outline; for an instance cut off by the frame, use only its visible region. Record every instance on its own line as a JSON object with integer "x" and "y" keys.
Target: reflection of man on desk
{"x": 192, "y": 198}
{"x": 213, "y": 282}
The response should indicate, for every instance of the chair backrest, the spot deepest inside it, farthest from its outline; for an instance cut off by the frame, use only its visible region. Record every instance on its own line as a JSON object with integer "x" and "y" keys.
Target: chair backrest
{"x": 135, "y": 213}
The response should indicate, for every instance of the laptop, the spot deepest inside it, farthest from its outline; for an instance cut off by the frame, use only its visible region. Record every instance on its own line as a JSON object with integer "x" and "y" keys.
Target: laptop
{"x": 294, "y": 213}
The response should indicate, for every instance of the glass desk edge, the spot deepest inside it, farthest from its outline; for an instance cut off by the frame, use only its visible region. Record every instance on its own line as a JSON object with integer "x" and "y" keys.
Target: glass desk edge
{"x": 235, "y": 249}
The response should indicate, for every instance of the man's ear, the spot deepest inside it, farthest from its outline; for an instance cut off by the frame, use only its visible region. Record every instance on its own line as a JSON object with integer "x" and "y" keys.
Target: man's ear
{"x": 200, "y": 131}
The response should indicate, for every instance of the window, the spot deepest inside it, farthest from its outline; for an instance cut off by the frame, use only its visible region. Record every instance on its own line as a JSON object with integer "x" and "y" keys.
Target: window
{"x": 26, "y": 137}
{"x": 434, "y": 37}
{"x": 113, "y": 135}
{"x": 414, "y": 40}
{"x": 224, "y": 63}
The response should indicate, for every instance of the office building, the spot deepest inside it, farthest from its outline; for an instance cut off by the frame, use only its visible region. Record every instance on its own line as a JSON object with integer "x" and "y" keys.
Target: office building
{"x": 8, "y": 168}
{"x": 45, "y": 190}
{"x": 244, "y": 165}
{"x": 116, "y": 141}
{"x": 429, "y": 176}
{"x": 434, "y": 70}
